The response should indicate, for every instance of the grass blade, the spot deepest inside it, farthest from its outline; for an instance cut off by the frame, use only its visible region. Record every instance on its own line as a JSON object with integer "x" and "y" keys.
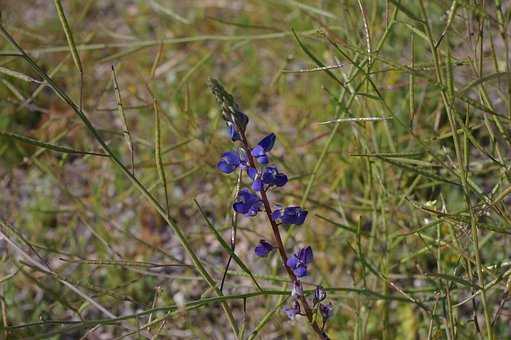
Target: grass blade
{"x": 227, "y": 248}
{"x": 52, "y": 147}
{"x": 120, "y": 109}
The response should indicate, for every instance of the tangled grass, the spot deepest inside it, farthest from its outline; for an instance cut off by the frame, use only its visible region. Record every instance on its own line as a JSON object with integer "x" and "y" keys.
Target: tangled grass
{"x": 393, "y": 120}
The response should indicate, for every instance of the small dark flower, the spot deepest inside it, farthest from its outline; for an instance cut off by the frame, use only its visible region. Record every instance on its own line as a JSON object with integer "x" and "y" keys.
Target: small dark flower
{"x": 319, "y": 294}
{"x": 263, "y": 248}
{"x": 247, "y": 203}
{"x": 293, "y": 310}
{"x": 229, "y": 162}
{"x": 264, "y": 146}
{"x": 299, "y": 261}
{"x": 297, "y": 290}
{"x": 233, "y": 134}
{"x": 290, "y": 215}
{"x": 326, "y": 310}
{"x": 272, "y": 176}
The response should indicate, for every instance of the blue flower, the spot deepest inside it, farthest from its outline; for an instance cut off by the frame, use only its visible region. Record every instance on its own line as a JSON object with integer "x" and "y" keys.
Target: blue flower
{"x": 264, "y": 146}
{"x": 292, "y": 311}
{"x": 263, "y": 248}
{"x": 247, "y": 203}
{"x": 299, "y": 261}
{"x": 233, "y": 133}
{"x": 272, "y": 176}
{"x": 290, "y": 215}
{"x": 229, "y": 162}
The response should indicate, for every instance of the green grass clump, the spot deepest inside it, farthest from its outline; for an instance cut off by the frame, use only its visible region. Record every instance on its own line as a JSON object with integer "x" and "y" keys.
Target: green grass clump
{"x": 394, "y": 119}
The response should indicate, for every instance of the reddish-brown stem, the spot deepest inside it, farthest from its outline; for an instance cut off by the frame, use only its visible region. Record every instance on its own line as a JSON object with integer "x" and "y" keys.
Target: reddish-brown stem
{"x": 280, "y": 244}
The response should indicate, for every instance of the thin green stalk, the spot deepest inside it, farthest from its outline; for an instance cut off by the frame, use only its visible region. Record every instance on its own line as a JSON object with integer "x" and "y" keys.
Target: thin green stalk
{"x": 338, "y": 114}
{"x": 463, "y": 174}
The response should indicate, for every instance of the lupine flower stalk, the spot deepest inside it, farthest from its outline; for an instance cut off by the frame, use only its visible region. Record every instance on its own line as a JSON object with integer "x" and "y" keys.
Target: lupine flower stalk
{"x": 256, "y": 162}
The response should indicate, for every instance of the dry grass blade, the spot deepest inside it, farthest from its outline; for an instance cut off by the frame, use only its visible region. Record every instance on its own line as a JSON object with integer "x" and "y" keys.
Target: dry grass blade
{"x": 71, "y": 43}
{"x": 157, "y": 153}
{"x": 355, "y": 119}
{"x": 44, "y": 268}
{"x": 52, "y": 147}
{"x": 18, "y": 75}
{"x": 122, "y": 114}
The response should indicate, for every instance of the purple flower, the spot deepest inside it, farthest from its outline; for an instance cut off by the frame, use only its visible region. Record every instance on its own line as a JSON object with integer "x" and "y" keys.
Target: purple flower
{"x": 263, "y": 248}
{"x": 229, "y": 162}
{"x": 272, "y": 176}
{"x": 233, "y": 133}
{"x": 326, "y": 310}
{"x": 299, "y": 261}
{"x": 319, "y": 295}
{"x": 264, "y": 146}
{"x": 247, "y": 203}
{"x": 290, "y": 215}
{"x": 293, "y": 310}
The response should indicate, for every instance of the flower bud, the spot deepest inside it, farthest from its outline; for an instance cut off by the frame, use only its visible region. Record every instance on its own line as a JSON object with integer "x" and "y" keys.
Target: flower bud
{"x": 319, "y": 294}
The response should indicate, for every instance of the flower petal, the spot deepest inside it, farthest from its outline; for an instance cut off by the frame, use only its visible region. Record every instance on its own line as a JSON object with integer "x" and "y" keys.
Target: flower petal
{"x": 292, "y": 262}
{"x": 251, "y": 172}
{"x": 255, "y": 208}
{"x": 257, "y": 185}
{"x": 241, "y": 207}
{"x": 231, "y": 130}
{"x": 326, "y": 310}
{"x": 308, "y": 255}
{"x": 257, "y": 151}
{"x": 225, "y": 167}
{"x": 263, "y": 248}
{"x": 300, "y": 271}
{"x": 262, "y": 159}
{"x": 291, "y": 312}
{"x": 300, "y": 218}
{"x": 267, "y": 142}
{"x": 277, "y": 215}
{"x": 280, "y": 180}
{"x": 231, "y": 157}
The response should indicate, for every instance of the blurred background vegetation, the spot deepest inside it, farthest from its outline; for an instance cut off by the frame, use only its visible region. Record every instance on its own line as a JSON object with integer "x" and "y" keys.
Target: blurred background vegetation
{"x": 406, "y": 181}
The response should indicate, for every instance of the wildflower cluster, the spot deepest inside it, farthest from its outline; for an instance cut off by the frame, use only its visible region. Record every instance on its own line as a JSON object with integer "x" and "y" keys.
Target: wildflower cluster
{"x": 250, "y": 200}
